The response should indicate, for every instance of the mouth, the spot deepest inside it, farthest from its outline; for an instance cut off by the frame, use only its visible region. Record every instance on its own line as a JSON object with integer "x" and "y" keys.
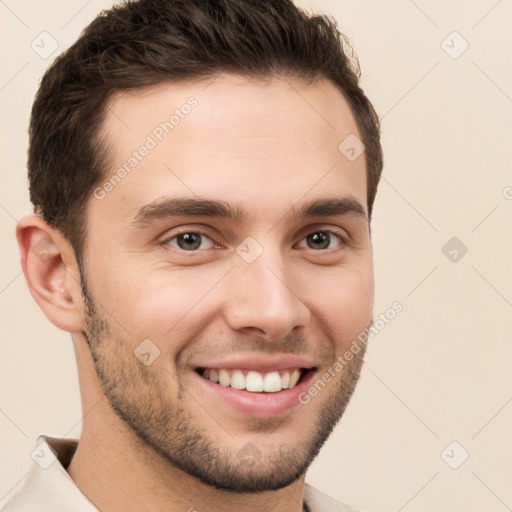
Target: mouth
{"x": 254, "y": 385}
{"x": 254, "y": 381}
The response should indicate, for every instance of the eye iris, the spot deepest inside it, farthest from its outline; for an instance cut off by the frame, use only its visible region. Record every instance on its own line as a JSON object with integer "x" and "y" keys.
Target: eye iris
{"x": 320, "y": 240}
{"x": 189, "y": 241}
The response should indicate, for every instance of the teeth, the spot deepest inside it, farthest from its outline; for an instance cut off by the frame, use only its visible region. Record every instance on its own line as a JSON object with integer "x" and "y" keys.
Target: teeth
{"x": 253, "y": 381}
{"x": 238, "y": 380}
{"x": 272, "y": 382}
{"x": 294, "y": 378}
{"x": 224, "y": 378}
{"x": 285, "y": 380}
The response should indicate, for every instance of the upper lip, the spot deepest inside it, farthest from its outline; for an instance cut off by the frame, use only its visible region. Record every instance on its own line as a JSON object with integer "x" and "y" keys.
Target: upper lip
{"x": 259, "y": 364}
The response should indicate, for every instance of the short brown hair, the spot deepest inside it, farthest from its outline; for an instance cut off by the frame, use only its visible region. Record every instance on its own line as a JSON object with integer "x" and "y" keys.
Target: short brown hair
{"x": 146, "y": 42}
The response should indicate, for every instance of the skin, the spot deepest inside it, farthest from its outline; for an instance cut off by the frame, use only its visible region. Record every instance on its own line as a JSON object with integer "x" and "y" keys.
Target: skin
{"x": 264, "y": 146}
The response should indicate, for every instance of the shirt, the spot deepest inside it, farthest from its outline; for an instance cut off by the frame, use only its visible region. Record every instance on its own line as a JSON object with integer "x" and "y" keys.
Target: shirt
{"x": 49, "y": 488}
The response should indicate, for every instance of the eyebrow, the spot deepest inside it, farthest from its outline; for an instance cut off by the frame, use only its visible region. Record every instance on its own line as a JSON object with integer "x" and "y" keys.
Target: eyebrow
{"x": 196, "y": 207}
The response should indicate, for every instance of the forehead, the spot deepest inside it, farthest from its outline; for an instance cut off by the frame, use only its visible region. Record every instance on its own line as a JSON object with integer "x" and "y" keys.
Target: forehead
{"x": 264, "y": 143}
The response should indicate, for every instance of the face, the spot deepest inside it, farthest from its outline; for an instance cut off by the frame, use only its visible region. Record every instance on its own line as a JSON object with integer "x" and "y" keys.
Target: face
{"x": 226, "y": 270}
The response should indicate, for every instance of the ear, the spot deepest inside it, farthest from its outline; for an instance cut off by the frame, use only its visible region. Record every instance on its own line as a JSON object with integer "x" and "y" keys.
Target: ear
{"x": 51, "y": 272}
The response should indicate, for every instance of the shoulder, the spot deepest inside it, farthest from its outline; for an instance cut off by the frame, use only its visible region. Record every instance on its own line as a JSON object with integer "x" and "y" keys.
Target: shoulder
{"x": 318, "y": 501}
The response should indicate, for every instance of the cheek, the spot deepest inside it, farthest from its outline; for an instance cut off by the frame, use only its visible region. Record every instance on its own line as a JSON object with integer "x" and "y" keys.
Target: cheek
{"x": 161, "y": 304}
{"x": 343, "y": 304}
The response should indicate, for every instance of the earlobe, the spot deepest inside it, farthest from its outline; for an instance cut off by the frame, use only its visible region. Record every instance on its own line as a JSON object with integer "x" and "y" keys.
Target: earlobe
{"x": 51, "y": 272}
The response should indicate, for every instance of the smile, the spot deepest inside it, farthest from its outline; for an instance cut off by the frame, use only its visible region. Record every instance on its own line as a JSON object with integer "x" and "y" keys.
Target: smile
{"x": 255, "y": 385}
{"x": 254, "y": 381}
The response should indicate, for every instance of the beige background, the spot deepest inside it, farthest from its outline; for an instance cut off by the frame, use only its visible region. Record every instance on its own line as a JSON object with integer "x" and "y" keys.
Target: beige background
{"x": 441, "y": 370}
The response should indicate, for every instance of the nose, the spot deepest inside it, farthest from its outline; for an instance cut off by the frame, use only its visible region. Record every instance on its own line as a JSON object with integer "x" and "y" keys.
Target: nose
{"x": 263, "y": 299}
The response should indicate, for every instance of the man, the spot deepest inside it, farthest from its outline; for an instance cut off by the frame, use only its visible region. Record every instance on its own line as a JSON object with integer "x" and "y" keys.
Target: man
{"x": 203, "y": 174}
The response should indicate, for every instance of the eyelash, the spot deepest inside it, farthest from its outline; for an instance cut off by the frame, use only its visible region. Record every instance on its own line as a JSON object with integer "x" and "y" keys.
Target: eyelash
{"x": 167, "y": 240}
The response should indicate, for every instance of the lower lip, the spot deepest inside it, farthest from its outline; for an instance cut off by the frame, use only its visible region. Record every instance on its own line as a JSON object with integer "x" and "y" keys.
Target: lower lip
{"x": 258, "y": 404}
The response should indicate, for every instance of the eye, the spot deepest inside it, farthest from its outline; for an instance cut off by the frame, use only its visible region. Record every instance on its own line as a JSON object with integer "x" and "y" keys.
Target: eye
{"x": 320, "y": 240}
{"x": 190, "y": 241}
